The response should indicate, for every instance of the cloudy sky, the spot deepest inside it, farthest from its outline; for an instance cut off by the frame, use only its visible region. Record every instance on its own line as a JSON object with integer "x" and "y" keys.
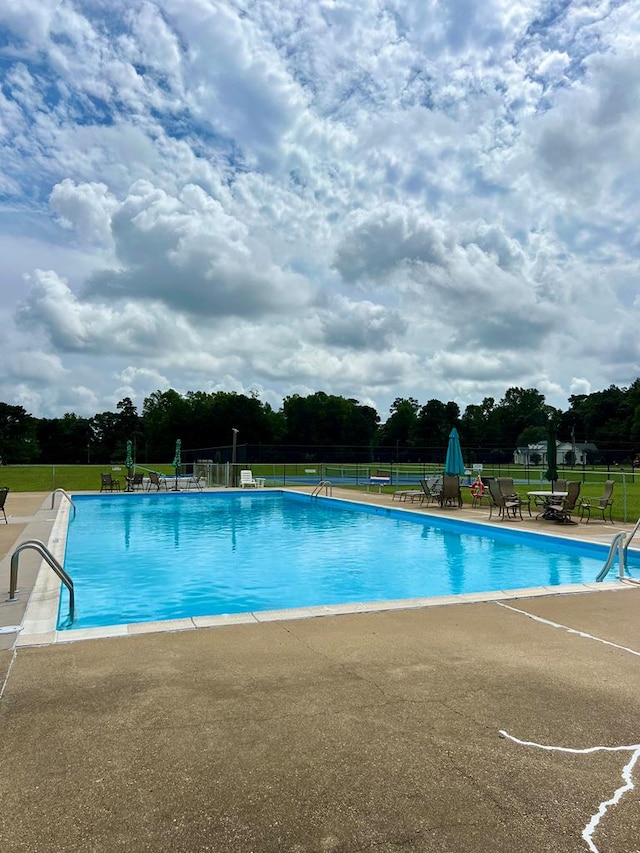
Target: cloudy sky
{"x": 376, "y": 199}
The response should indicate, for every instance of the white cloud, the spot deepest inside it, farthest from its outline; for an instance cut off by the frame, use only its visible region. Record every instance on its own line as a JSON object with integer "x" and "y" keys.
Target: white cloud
{"x": 85, "y": 207}
{"x": 29, "y": 20}
{"x": 429, "y": 199}
{"x": 361, "y": 325}
{"x": 579, "y": 385}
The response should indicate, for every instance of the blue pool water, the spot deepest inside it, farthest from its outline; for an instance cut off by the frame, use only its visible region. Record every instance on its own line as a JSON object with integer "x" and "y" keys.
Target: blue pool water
{"x": 140, "y": 558}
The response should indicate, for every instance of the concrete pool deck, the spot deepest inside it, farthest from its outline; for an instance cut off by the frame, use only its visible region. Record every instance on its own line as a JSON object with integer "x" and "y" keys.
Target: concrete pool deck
{"x": 373, "y": 731}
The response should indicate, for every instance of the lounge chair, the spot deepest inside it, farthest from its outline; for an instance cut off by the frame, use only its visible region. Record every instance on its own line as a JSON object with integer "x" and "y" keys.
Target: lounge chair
{"x": 157, "y": 481}
{"x": 429, "y": 491}
{"x": 108, "y": 484}
{"x": 598, "y": 504}
{"x": 561, "y": 513}
{"x": 4, "y": 491}
{"x": 246, "y": 479}
{"x": 408, "y": 495}
{"x": 507, "y": 507}
{"x": 450, "y": 494}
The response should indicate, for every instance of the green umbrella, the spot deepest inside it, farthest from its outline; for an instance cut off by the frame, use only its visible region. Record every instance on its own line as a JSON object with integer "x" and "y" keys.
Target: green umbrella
{"x": 128, "y": 462}
{"x": 454, "y": 463}
{"x": 551, "y": 473}
{"x": 177, "y": 461}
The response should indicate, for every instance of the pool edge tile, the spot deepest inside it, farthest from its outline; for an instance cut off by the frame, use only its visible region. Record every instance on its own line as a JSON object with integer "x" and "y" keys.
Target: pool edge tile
{"x": 134, "y": 628}
{"x": 46, "y": 638}
{"x": 91, "y": 633}
{"x": 285, "y": 615}
{"x": 223, "y": 619}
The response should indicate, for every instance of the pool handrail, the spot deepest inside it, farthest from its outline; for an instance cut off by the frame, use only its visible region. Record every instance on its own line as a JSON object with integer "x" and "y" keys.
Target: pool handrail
{"x": 628, "y": 542}
{"x": 64, "y": 494}
{"x": 327, "y": 485}
{"x": 617, "y": 544}
{"x": 46, "y": 554}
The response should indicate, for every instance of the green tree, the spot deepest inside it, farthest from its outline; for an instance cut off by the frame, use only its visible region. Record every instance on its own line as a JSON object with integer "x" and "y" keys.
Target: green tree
{"x": 238, "y": 411}
{"x": 105, "y": 437}
{"x": 531, "y": 435}
{"x": 165, "y": 416}
{"x": 322, "y": 419}
{"x": 433, "y": 425}
{"x": 65, "y": 440}
{"x": 129, "y": 421}
{"x": 518, "y": 409}
{"x": 399, "y": 428}
{"x": 605, "y": 418}
{"x": 475, "y": 424}
{"x": 18, "y": 436}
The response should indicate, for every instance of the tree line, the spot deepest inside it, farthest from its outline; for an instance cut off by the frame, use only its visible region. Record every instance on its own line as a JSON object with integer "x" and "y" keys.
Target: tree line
{"x": 322, "y": 426}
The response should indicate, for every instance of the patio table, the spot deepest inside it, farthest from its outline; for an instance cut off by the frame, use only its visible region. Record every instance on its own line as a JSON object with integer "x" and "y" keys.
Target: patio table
{"x": 547, "y": 498}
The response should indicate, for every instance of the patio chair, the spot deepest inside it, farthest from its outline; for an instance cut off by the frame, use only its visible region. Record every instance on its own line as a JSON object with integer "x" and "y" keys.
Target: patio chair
{"x": 157, "y": 481}
{"x": 246, "y": 479}
{"x": 108, "y": 484}
{"x": 450, "y": 494}
{"x": 598, "y": 504}
{"x": 4, "y": 491}
{"x": 507, "y": 507}
{"x": 432, "y": 488}
{"x": 134, "y": 482}
{"x": 195, "y": 481}
{"x": 561, "y": 513}
{"x": 508, "y": 489}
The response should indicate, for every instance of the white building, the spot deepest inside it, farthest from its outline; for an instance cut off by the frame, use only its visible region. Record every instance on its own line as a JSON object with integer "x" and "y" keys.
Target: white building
{"x": 536, "y": 454}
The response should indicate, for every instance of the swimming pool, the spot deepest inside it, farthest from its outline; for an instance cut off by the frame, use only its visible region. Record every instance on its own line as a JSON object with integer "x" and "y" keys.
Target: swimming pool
{"x": 145, "y": 558}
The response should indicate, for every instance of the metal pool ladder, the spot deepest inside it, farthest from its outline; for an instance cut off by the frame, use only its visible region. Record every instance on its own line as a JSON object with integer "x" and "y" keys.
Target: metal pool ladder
{"x": 323, "y": 484}
{"x": 617, "y": 544}
{"x": 623, "y": 553}
{"x": 46, "y": 554}
{"x": 65, "y": 495}
{"x": 620, "y": 542}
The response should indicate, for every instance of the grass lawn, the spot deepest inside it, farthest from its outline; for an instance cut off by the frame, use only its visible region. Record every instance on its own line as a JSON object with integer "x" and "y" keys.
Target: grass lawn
{"x": 46, "y": 478}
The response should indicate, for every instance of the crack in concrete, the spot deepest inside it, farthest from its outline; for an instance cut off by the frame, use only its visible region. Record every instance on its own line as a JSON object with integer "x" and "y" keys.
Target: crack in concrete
{"x": 627, "y": 770}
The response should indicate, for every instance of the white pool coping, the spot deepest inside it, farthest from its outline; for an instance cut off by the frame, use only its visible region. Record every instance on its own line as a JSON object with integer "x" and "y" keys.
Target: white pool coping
{"x": 41, "y": 615}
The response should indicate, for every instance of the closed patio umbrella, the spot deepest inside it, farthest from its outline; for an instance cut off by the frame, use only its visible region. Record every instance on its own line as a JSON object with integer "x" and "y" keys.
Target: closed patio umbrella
{"x": 551, "y": 473}
{"x": 128, "y": 463}
{"x": 177, "y": 461}
{"x": 454, "y": 463}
